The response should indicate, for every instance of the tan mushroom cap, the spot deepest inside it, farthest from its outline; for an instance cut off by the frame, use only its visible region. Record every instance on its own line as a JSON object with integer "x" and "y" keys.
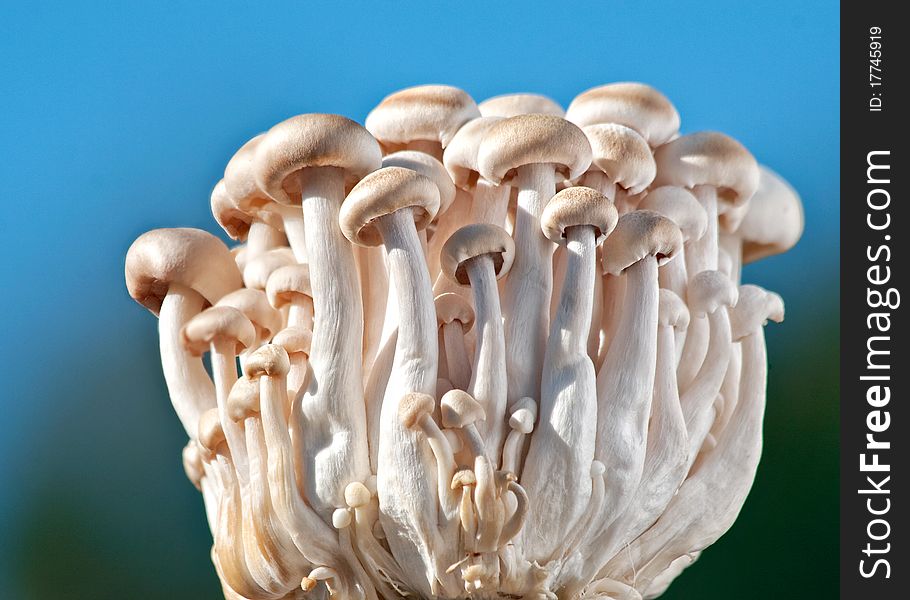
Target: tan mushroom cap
{"x": 287, "y": 283}
{"x": 640, "y": 234}
{"x": 192, "y": 464}
{"x": 382, "y": 193}
{"x": 460, "y": 157}
{"x": 709, "y": 290}
{"x": 756, "y": 306}
{"x": 257, "y": 271}
{"x": 357, "y": 495}
{"x": 243, "y": 400}
{"x": 255, "y": 306}
{"x": 312, "y": 140}
{"x": 414, "y": 405}
{"x": 575, "y": 206}
{"x": 680, "y": 206}
{"x": 458, "y": 409}
{"x": 774, "y": 221}
{"x": 425, "y": 112}
{"x": 294, "y": 340}
{"x": 270, "y": 360}
{"x": 672, "y": 311}
{"x": 240, "y": 179}
{"x": 623, "y": 155}
{"x": 451, "y": 307}
{"x": 634, "y": 105}
{"x": 427, "y": 166}
{"x": 234, "y": 221}
{"x": 708, "y": 158}
{"x": 510, "y": 105}
{"x": 462, "y": 478}
{"x": 524, "y": 414}
{"x": 218, "y": 323}
{"x": 533, "y": 139}
{"x": 189, "y": 257}
{"x": 471, "y": 241}
{"x": 210, "y": 433}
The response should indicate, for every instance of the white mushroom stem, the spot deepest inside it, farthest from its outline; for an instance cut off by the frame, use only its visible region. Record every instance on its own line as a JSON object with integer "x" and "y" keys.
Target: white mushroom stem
{"x": 407, "y": 492}
{"x": 527, "y": 290}
{"x": 224, "y": 371}
{"x": 519, "y": 516}
{"x": 332, "y": 407}
{"x": 374, "y": 287}
{"x": 624, "y": 389}
{"x": 376, "y": 559}
{"x": 188, "y": 384}
{"x": 703, "y": 256}
{"x": 295, "y": 230}
{"x": 557, "y": 472}
{"x": 261, "y": 238}
{"x": 488, "y": 379}
{"x": 490, "y": 510}
{"x": 613, "y": 292}
{"x": 673, "y": 276}
{"x": 457, "y": 362}
{"x": 490, "y": 203}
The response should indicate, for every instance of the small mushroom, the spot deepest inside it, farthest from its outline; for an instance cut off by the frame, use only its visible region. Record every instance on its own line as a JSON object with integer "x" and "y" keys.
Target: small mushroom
{"x": 635, "y": 105}
{"x": 254, "y": 305}
{"x": 489, "y": 202}
{"x": 290, "y": 286}
{"x": 415, "y": 412}
{"x": 521, "y": 422}
{"x": 456, "y": 318}
{"x": 622, "y": 165}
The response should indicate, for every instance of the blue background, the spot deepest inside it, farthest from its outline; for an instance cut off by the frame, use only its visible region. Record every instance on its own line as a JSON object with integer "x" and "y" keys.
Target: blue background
{"x": 116, "y": 119}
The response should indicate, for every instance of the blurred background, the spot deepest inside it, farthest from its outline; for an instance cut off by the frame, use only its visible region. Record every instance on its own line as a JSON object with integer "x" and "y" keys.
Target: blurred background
{"x": 118, "y": 118}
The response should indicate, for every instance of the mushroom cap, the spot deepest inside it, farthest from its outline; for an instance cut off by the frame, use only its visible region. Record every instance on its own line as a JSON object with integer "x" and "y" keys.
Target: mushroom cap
{"x": 597, "y": 468}
{"x": 217, "y": 323}
{"x": 680, "y": 206}
{"x": 634, "y": 105}
{"x": 533, "y": 139}
{"x": 270, "y": 360}
{"x": 471, "y": 241}
{"x": 210, "y": 433}
{"x": 460, "y": 157}
{"x": 255, "y": 306}
{"x": 257, "y": 270}
{"x": 312, "y": 140}
{"x": 524, "y": 415}
{"x": 240, "y": 177}
{"x": 356, "y": 495}
{"x": 463, "y": 477}
{"x": 756, "y": 306}
{"x": 709, "y": 290}
{"x": 192, "y": 464}
{"x": 381, "y": 193}
{"x": 341, "y": 518}
{"x": 413, "y": 406}
{"x": 623, "y": 155}
{"x": 294, "y": 340}
{"x": 287, "y": 283}
{"x": 189, "y": 257}
{"x": 427, "y": 166}
{"x": 672, "y": 311}
{"x": 575, "y": 206}
{"x": 774, "y": 221}
{"x": 234, "y": 221}
{"x": 640, "y": 234}
{"x": 458, "y": 409}
{"x": 454, "y": 307}
{"x": 708, "y": 158}
{"x": 423, "y": 112}
{"x": 510, "y": 105}
{"x": 243, "y": 400}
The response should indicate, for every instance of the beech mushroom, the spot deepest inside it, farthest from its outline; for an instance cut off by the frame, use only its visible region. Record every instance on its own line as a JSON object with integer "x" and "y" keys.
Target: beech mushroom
{"x": 455, "y": 317}
{"x": 635, "y": 105}
{"x": 510, "y": 105}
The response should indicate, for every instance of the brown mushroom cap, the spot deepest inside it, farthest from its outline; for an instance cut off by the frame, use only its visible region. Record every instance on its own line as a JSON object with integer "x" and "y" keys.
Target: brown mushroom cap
{"x": 294, "y": 340}
{"x": 458, "y": 409}
{"x": 413, "y": 406}
{"x": 578, "y": 206}
{"x": 533, "y": 139}
{"x": 254, "y": 304}
{"x": 774, "y": 221}
{"x": 672, "y": 311}
{"x": 427, "y": 166}
{"x": 312, "y": 140}
{"x": 460, "y": 157}
{"x": 639, "y": 234}
{"x": 234, "y": 221}
{"x": 287, "y": 283}
{"x": 681, "y": 207}
{"x": 754, "y": 308}
{"x": 189, "y": 257}
{"x": 623, "y": 155}
{"x": 712, "y": 159}
{"x": 709, "y": 290}
{"x": 510, "y": 105}
{"x": 471, "y": 241}
{"x": 382, "y": 193}
{"x": 452, "y": 307}
{"x": 243, "y": 400}
{"x": 634, "y": 105}
{"x": 270, "y": 360}
{"x": 424, "y": 112}
{"x": 210, "y": 433}
{"x": 218, "y": 323}
{"x": 257, "y": 271}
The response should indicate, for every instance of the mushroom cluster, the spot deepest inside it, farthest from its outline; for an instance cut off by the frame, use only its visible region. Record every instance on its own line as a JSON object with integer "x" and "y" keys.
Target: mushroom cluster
{"x": 494, "y": 350}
